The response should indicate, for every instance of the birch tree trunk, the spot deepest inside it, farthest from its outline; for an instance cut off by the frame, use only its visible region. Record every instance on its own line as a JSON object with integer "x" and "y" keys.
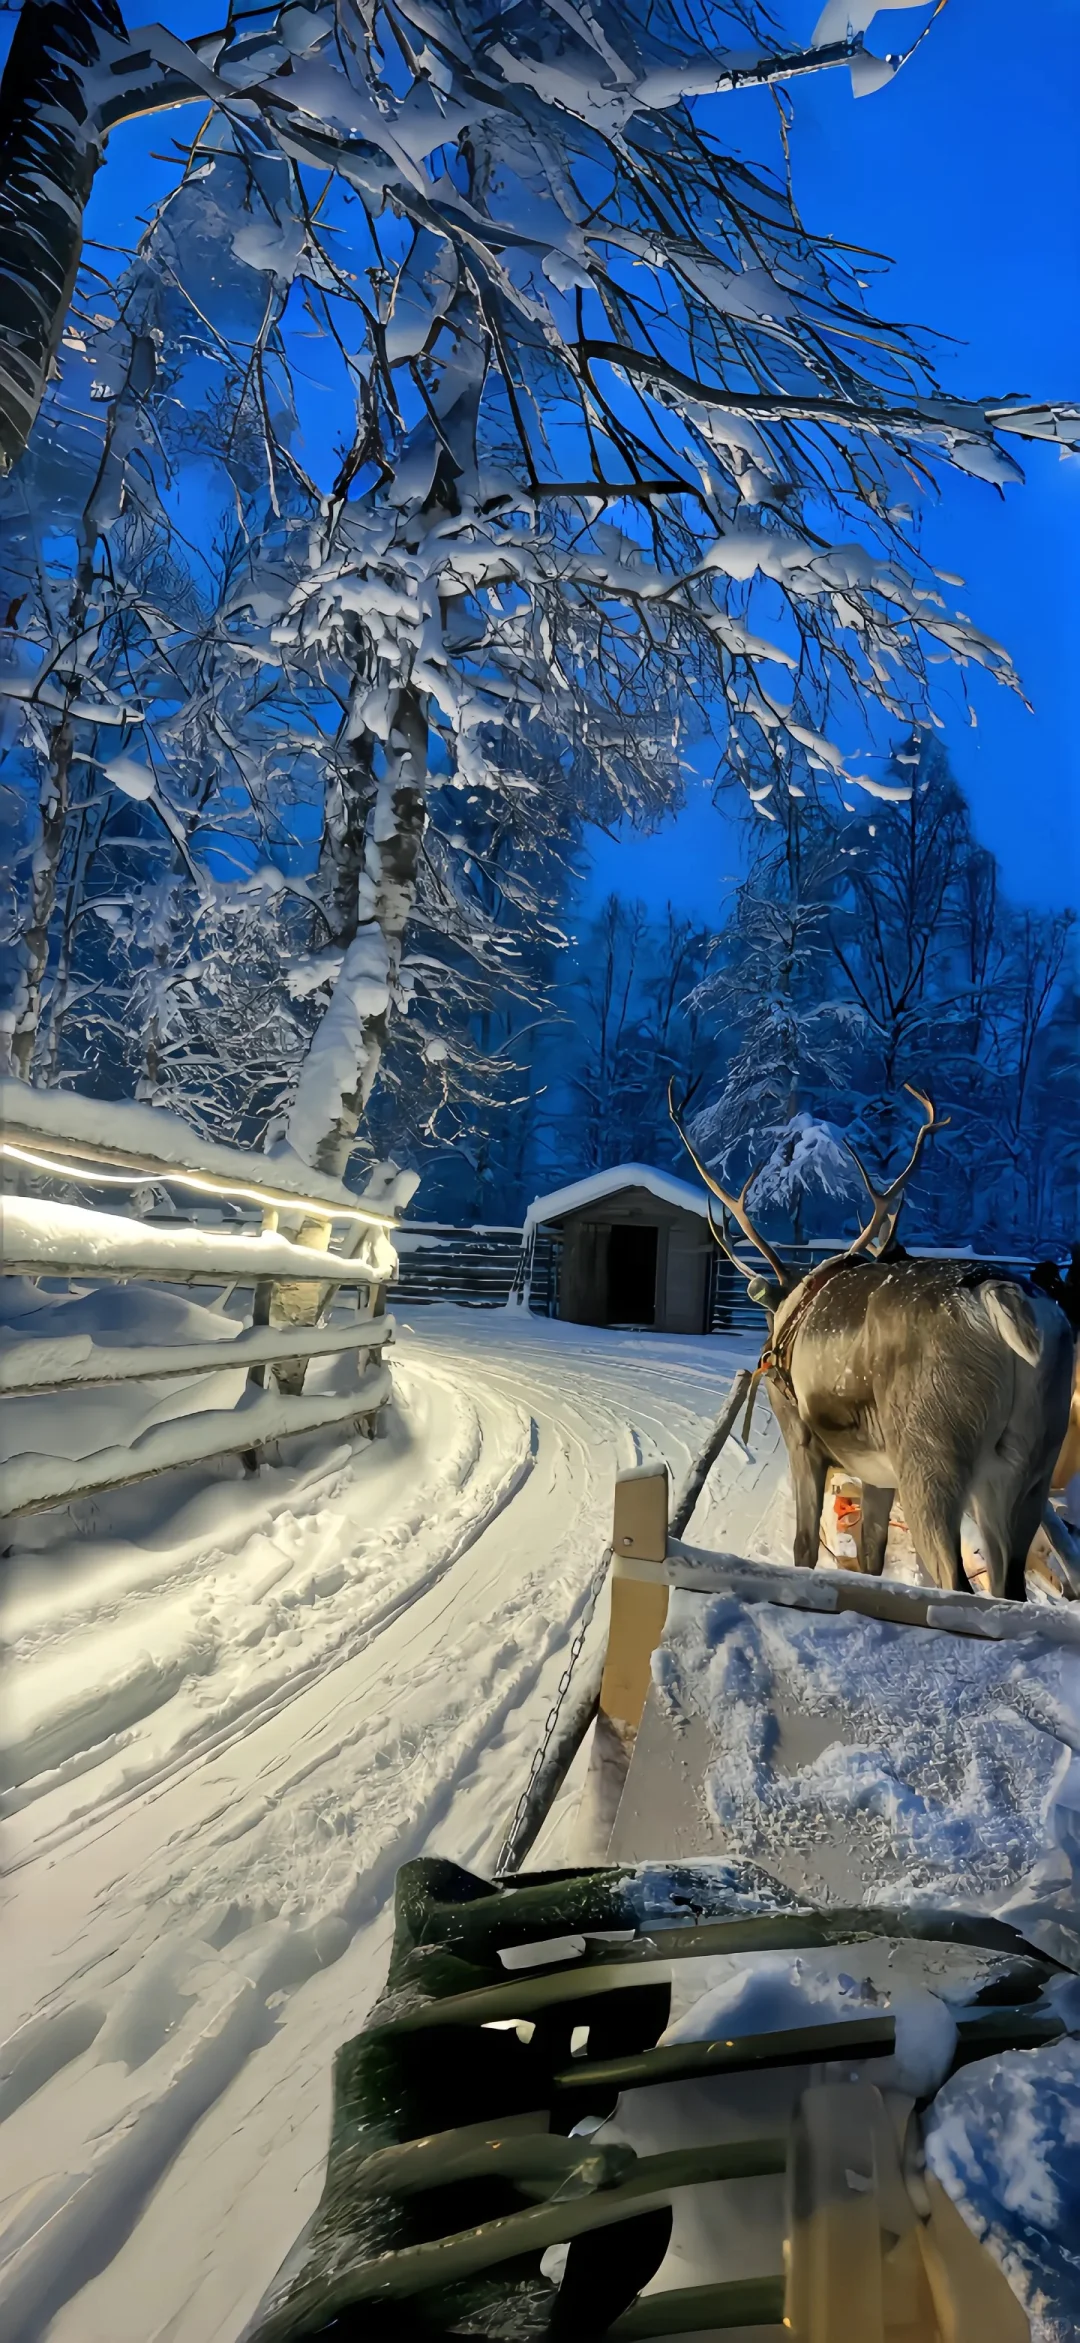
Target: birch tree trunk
{"x": 50, "y": 148}
{"x": 53, "y": 799}
{"x": 338, "y": 1074}
{"x": 90, "y": 824}
{"x": 347, "y": 811}
{"x": 35, "y": 942}
{"x": 343, "y": 1062}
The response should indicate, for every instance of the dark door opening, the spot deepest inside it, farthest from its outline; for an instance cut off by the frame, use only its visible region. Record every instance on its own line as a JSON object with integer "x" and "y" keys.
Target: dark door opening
{"x": 631, "y": 1277}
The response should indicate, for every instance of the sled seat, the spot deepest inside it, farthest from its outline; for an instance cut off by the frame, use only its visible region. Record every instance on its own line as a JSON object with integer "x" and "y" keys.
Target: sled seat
{"x": 473, "y": 2128}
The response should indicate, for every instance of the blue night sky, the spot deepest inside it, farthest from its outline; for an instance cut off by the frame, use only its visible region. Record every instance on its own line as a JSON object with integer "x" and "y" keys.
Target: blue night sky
{"x": 966, "y": 172}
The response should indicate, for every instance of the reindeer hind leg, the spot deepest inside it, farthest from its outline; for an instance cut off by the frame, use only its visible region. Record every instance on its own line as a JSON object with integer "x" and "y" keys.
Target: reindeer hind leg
{"x": 934, "y": 1512}
{"x": 809, "y": 1467}
{"x": 1026, "y": 1517}
{"x": 873, "y": 1532}
{"x": 1050, "y": 1408}
{"x": 993, "y": 1503}
{"x": 932, "y": 1436}
{"x": 1007, "y": 1502}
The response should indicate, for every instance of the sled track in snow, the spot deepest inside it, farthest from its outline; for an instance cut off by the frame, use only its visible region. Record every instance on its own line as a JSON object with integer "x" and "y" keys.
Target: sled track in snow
{"x": 195, "y": 1941}
{"x": 97, "y": 1820}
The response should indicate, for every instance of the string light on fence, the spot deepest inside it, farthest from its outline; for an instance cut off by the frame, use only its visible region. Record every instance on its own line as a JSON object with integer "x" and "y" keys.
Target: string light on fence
{"x": 163, "y": 1175}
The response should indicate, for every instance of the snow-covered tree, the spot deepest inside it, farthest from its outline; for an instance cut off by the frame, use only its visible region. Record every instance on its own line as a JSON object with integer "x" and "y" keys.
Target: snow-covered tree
{"x": 892, "y": 932}
{"x": 1054, "y": 1107}
{"x": 782, "y": 1034}
{"x": 862, "y": 955}
{"x": 955, "y": 987}
{"x": 1034, "y": 1099}
{"x": 620, "y": 1030}
{"x": 808, "y": 1160}
{"x": 626, "y": 449}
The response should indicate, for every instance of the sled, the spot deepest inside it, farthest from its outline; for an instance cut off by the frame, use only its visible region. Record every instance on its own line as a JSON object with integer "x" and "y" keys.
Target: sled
{"x": 517, "y": 2154}
{"x": 640, "y": 1795}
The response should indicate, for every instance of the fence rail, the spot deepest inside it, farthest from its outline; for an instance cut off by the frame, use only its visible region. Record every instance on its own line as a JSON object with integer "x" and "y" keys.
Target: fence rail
{"x": 477, "y": 1268}
{"x": 55, "y": 1244}
{"x": 473, "y": 1267}
{"x": 147, "y": 1145}
{"x": 34, "y": 1368}
{"x": 31, "y": 1484}
{"x": 39, "y": 1239}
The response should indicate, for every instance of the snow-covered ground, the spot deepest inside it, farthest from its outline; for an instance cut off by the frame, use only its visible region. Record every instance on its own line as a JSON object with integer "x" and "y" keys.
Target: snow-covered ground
{"x": 235, "y": 1705}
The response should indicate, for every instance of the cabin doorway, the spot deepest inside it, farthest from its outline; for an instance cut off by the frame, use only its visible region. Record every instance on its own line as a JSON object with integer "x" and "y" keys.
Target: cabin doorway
{"x": 631, "y": 1275}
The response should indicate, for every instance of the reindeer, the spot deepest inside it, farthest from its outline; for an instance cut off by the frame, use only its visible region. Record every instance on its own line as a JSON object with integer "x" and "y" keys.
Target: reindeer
{"x": 941, "y": 1381}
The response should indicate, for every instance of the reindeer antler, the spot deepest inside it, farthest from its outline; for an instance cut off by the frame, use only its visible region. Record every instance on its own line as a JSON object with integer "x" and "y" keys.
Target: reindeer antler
{"x": 887, "y": 1202}
{"x": 736, "y": 1205}
{"x": 718, "y": 1237}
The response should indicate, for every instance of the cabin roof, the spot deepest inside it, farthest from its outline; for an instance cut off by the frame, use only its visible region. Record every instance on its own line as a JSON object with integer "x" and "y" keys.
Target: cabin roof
{"x": 598, "y": 1185}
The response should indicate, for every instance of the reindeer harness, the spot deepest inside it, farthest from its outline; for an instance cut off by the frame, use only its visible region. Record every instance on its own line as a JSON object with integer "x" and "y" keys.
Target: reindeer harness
{"x": 776, "y": 1357}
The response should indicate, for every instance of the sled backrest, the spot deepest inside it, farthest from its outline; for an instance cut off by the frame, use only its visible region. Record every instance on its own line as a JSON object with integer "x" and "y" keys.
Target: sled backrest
{"x": 462, "y": 2148}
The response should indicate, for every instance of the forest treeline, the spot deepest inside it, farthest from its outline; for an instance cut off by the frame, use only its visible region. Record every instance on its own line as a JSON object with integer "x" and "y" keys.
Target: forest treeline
{"x": 857, "y": 955}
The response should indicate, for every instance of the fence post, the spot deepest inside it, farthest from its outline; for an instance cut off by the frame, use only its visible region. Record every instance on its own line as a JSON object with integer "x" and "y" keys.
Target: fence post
{"x": 639, "y": 1596}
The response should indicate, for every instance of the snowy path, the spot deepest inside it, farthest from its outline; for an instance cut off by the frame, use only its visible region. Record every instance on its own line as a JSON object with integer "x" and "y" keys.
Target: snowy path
{"x": 229, "y": 1735}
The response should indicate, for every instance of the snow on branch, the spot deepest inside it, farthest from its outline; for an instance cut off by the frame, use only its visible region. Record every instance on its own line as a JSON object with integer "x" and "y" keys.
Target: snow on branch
{"x": 360, "y": 728}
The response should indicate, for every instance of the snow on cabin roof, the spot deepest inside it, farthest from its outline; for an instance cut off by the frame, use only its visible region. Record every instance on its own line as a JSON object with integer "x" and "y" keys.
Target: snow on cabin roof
{"x": 593, "y": 1189}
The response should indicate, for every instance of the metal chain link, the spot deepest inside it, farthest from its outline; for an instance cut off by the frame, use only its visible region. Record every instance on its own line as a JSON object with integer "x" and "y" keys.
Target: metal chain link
{"x": 506, "y": 1851}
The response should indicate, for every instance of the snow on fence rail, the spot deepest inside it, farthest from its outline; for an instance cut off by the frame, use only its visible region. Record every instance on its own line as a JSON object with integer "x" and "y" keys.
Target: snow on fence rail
{"x": 57, "y": 1242}
{"x": 40, "y": 1239}
{"x": 29, "y": 1365}
{"x": 30, "y": 1484}
{"x": 157, "y": 1146}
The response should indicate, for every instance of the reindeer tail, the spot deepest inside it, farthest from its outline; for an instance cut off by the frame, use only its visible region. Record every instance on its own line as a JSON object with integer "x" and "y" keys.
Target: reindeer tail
{"x": 1011, "y": 1315}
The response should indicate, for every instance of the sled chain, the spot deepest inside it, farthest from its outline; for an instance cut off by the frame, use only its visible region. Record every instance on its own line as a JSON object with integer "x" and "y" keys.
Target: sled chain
{"x": 505, "y": 1857}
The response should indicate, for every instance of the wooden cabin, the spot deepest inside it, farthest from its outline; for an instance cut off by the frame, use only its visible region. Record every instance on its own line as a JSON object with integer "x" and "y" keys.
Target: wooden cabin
{"x": 634, "y": 1249}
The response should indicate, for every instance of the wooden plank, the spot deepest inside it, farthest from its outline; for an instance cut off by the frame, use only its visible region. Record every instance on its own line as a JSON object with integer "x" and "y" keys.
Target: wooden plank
{"x": 131, "y": 1272}
{"x": 724, "y": 1426}
{"x": 60, "y": 1123}
{"x": 638, "y": 1608}
{"x": 66, "y": 1240}
{"x": 695, "y": 1571}
{"x": 32, "y": 1484}
{"x": 254, "y": 1346}
{"x": 638, "y": 1617}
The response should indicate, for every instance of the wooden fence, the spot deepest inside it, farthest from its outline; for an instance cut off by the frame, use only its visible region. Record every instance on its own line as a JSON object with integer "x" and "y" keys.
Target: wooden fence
{"x": 56, "y": 1244}
{"x": 473, "y": 1267}
{"x": 477, "y": 1268}
{"x": 58, "y": 1136}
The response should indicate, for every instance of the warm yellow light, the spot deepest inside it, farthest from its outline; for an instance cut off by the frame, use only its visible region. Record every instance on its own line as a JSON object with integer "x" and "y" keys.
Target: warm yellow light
{"x": 165, "y": 1176}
